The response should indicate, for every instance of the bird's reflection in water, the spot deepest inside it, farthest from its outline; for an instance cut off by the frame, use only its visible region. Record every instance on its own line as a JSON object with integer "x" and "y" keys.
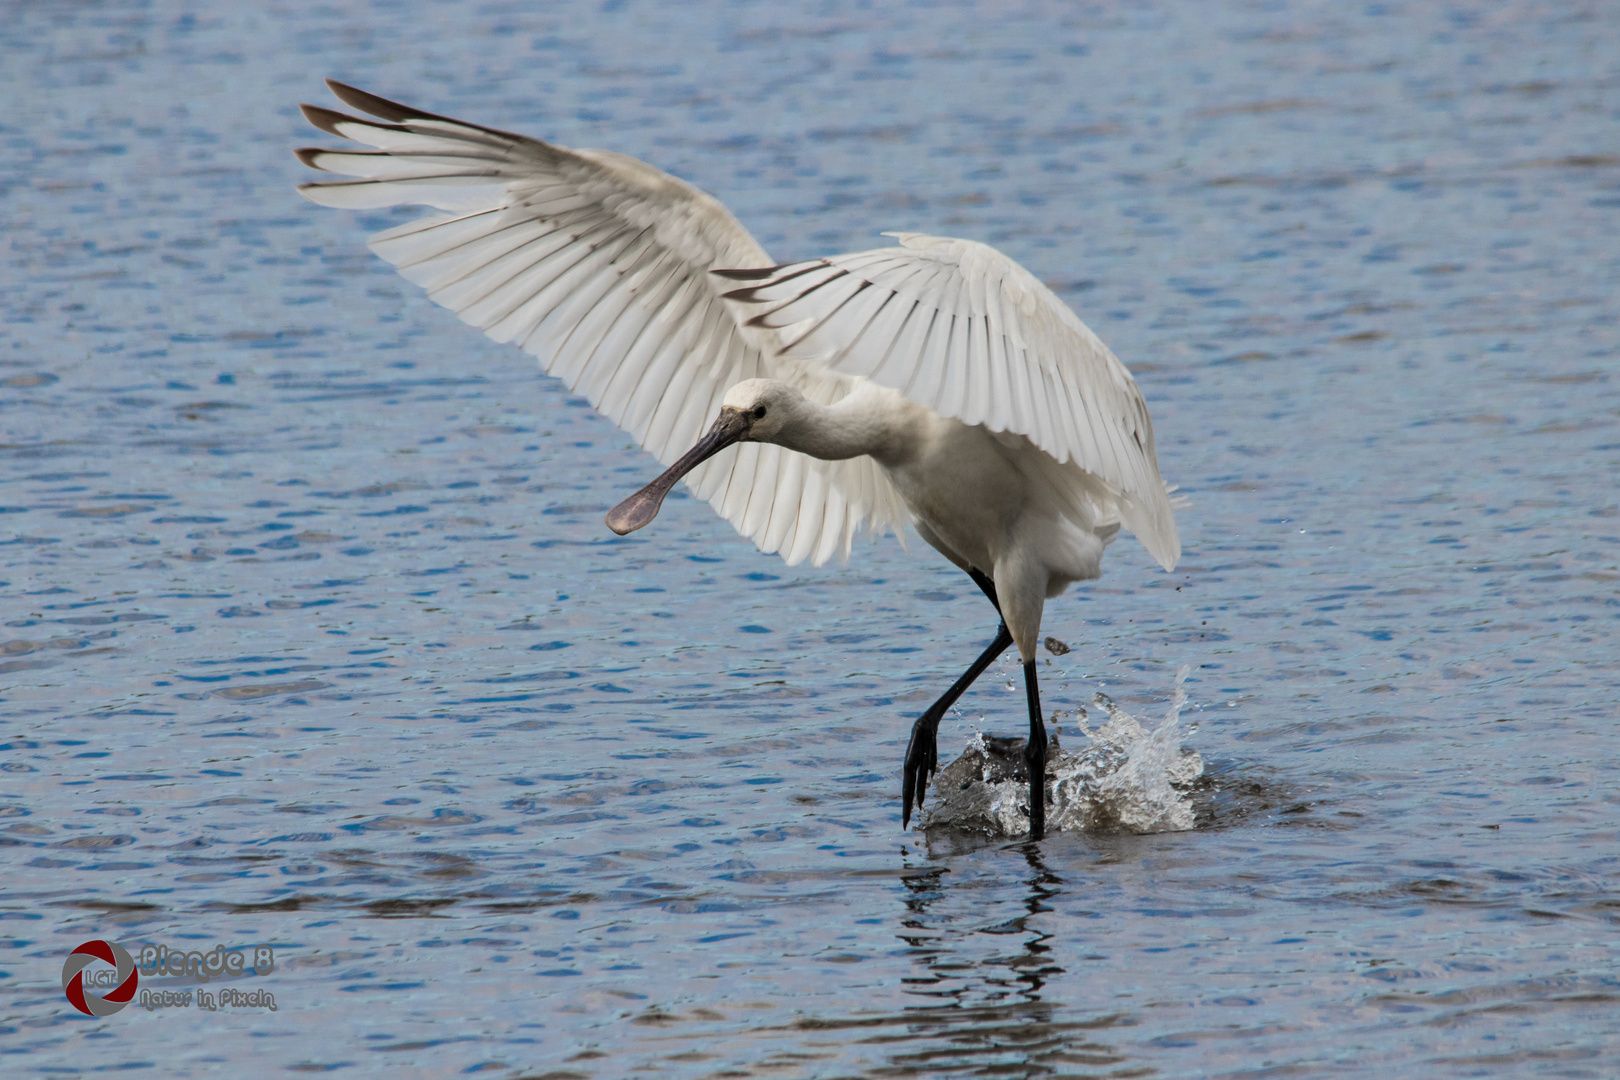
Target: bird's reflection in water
{"x": 996, "y": 1014}
{"x": 988, "y": 994}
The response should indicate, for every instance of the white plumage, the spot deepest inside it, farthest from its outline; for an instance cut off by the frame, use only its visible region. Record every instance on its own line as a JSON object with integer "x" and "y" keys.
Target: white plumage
{"x": 936, "y": 384}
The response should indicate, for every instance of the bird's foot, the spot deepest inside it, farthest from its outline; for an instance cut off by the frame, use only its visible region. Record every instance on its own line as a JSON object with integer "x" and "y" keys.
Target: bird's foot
{"x": 922, "y": 761}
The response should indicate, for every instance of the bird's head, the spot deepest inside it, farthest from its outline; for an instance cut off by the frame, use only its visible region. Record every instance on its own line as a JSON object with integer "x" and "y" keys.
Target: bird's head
{"x": 763, "y": 406}
{"x": 754, "y": 410}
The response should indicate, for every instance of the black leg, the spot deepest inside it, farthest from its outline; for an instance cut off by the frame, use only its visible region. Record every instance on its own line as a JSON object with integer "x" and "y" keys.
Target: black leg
{"x": 986, "y": 586}
{"x": 1035, "y": 756}
{"x": 922, "y": 755}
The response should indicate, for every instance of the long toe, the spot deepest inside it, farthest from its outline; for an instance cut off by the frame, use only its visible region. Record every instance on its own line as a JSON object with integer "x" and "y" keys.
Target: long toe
{"x": 908, "y": 789}
{"x": 922, "y": 759}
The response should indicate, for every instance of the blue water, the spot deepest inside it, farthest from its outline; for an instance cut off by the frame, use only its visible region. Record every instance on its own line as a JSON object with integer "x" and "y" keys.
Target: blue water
{"x": 314, "y": 640}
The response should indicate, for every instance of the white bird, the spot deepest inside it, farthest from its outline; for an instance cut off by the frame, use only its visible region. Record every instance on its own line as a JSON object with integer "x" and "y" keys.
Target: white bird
{"x": 937, "y": 384}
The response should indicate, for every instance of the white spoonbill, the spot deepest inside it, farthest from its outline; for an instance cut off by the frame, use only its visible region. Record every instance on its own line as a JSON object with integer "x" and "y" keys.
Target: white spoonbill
{"x": 937, "y": 384}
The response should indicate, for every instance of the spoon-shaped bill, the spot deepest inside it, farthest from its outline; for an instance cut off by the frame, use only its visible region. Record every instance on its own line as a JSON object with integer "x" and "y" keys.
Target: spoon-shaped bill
{"x": 642, "y": 507}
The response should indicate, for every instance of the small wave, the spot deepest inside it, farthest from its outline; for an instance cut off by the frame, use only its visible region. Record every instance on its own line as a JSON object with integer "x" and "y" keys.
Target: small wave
{"x": 1127, "y": 778}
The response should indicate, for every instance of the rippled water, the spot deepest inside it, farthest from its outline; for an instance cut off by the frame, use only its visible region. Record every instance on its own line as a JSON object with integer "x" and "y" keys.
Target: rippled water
{"x": 1118, "y": 776}
{"x": 314, "y": 641}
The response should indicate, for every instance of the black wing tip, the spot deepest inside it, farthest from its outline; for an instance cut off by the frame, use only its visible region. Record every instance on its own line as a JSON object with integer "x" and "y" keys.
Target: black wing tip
{"x": 760, "y": 273}
{"x": 754, "y": 274}
{"x": 323, "y": 118}
{"x": 772, "y": 275}
{"x": 393, "y": 111}
{"x": 396, "y": 113}
{"x": 329, "y": 119}
{"x": 308, "y": 154}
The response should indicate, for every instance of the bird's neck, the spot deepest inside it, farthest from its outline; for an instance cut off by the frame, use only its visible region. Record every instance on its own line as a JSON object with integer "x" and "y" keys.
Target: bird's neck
{"x": 869, "y": 420}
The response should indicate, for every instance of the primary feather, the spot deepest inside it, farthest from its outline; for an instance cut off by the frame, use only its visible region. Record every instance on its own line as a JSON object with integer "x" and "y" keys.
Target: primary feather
{"x": 598, "y": 264}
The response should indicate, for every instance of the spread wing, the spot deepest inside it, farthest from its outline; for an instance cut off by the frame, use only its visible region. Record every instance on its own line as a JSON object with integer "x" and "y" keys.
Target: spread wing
{"x": 598, "y": 264}
{"x": 959, "y": 327}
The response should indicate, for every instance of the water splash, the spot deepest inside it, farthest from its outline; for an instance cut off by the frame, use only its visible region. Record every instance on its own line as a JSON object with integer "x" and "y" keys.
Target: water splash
{"x": 1126, "y": 778}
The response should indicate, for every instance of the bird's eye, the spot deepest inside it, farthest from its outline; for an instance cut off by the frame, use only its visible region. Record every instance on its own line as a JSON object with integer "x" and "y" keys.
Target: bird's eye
{"x": 759, "y": 412}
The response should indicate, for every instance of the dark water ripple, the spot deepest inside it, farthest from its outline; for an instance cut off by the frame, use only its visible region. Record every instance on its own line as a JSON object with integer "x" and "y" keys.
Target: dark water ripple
{"x": 311, "y": 637}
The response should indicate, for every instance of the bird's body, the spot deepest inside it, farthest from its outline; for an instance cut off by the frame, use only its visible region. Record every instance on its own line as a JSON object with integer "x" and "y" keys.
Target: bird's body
{"x": 985, "y": 500}
{"x": 936, "y": 384}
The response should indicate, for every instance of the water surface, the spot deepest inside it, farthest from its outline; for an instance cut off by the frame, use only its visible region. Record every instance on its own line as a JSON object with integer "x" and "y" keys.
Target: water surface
{"x": 313, "y": 638}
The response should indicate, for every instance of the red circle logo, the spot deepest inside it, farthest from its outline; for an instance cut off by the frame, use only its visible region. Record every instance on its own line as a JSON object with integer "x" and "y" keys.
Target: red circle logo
{"x": 123, "y": 981}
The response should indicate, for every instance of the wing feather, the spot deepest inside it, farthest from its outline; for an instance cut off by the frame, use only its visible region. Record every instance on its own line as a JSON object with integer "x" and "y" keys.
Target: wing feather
{"x": 599, "y": 265}
{"x": 959, "y": 327}
{"x": 976, "y": 409}
{"x": 926, "y": 336}
{"x": 953, "y": 367}
{"x": 633, "y": 389}
{"x": 1002, "y": 414}
{"x": 784, "y": 508}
